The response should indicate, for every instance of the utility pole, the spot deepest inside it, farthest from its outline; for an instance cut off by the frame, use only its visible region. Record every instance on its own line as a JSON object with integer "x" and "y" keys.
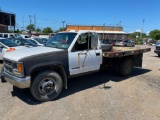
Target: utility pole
{"x": 120, "y": 23}
{"x": 30, "y": 21}
{"x": 35, "y": 21}
{"x": 142, "y": 27}
{"x": 23, "y": 23}
{"x": 114, "y": 23}
{"x": 63, "y": 24}
{"x": 114, "y": 20}
{"x": 103, "y": 30}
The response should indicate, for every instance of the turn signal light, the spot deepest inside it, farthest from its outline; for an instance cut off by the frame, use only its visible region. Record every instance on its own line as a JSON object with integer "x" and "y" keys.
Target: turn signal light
{"x": 20, "y": 67}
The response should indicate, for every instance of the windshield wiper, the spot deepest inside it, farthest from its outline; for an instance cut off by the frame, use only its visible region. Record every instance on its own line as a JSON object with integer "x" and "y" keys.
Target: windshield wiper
{"x": 51, "y": 45}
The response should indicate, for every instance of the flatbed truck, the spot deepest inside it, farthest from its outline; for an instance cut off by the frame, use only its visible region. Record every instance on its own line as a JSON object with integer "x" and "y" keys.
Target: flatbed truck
{"x": 46, "y": 69}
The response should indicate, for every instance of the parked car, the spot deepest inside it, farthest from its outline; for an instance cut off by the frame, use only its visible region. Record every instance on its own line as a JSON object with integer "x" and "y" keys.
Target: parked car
{"x": 36, "y": 41}
{"x": 44, "y": 40}
{"x": 106, "y": 45}
{"x": 133, "y": 41}
{"x": 157, "y": 49}
{"x": 112, "y": 42}
{"x": 7, "y": 45}
{"x": 10, "y": 35}
{"x": 125, "y": 43}
{"x": 25, "y": 36}
{"x": 24, "y": 42}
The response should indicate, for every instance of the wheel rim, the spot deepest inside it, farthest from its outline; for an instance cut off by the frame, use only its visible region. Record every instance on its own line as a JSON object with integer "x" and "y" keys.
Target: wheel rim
{"x": 47, "y": 86}
{"x": 128, "y": 67}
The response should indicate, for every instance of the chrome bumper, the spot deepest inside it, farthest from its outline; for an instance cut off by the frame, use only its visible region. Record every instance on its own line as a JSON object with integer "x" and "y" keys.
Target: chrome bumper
{"x": 17, "y": 81}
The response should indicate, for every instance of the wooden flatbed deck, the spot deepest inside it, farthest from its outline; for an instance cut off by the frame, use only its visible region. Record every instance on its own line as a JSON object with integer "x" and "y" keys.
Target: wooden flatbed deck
{"x": 125, "y": 51}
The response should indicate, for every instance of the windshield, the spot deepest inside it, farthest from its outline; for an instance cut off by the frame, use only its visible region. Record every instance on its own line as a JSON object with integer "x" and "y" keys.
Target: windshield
{"x": 8, "y": 43}
{"x": 119, "y": 40}
{"x": 39, "y": 40}
{"x": 18, "y": 36}
{"x": 27, "y": 42}
{"x": 61, "y": 40}
{"x": 106, "y": 41}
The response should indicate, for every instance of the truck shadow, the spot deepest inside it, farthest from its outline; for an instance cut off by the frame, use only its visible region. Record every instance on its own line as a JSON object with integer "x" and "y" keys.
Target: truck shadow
{"x": 78, "y": 84}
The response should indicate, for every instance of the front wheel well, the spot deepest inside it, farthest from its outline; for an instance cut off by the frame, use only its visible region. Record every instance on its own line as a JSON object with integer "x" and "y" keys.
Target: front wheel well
{"x": 57, "y": 68}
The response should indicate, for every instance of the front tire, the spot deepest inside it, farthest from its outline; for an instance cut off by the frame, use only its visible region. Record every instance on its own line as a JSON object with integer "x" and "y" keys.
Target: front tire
{"x": 46, "y": 86}
{"x": 158, "y": 55}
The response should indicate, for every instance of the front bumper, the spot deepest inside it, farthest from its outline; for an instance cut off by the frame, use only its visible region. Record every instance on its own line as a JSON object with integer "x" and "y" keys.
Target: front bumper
{"x": 157, "y": 51}
{"x": 16, "y": 81}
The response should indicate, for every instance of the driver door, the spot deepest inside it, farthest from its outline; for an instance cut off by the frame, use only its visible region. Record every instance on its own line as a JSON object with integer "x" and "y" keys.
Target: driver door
{"x": 85, "y": 56}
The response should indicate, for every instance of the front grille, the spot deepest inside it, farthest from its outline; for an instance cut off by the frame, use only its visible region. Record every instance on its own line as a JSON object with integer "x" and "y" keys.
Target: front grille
{"x": 8, "y": 69}
{"x": 7, "y": 62}
{"x": 8, "y": 66}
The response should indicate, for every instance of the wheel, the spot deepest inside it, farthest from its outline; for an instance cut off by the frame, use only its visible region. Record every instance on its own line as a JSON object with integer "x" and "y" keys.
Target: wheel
{"x": 46, "y": 86}
{"x": 126, "y": 67}
{"x": 158, "y": 55}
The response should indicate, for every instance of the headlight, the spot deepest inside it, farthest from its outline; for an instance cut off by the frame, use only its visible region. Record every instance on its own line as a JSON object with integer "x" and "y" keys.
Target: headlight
{"x": 18, "y": 69}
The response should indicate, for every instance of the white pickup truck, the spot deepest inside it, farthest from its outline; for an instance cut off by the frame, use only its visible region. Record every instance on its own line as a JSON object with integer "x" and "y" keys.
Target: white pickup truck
{"x": 45, "y": 70}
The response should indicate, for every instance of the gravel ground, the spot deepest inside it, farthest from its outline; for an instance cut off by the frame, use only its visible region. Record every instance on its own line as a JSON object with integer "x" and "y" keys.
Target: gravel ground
{"x": 98, "y": 96}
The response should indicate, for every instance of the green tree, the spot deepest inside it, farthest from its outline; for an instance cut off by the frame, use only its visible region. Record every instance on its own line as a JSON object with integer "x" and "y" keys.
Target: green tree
{"x": 61, "y": 29}
{"x": 17, "y": 31}
{"x": 155, "y": 34}
{"x": 133, "y": 35}
{"x": 38, "y": 30}
{"x": 30, "y": 27}
{"x": 47, "y": 30}
{"x": 144, "y": 35}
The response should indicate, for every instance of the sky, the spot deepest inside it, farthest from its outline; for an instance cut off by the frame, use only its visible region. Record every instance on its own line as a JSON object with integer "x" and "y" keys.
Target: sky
{"x": 51, "y": 13}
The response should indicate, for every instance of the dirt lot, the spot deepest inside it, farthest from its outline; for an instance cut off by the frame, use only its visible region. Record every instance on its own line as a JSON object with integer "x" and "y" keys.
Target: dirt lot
{"x": 98, "y": 96}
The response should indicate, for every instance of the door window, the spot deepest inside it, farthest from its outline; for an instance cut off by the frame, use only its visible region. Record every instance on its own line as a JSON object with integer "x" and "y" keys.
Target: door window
{"x": 83, "y": 42}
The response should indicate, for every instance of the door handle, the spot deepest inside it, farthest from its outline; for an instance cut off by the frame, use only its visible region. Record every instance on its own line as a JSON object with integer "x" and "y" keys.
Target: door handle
{"x": 97, "y": 54}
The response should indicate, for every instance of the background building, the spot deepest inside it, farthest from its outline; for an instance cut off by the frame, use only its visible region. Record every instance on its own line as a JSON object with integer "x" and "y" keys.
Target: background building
{"x": 105, "y": 32}
{"x": 7, "y": 19}
{"x": 3, "y": 28}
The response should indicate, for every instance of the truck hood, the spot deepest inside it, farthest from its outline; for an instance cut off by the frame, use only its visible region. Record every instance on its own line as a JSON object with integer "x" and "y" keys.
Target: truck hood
{"x": 23, "y": 53}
